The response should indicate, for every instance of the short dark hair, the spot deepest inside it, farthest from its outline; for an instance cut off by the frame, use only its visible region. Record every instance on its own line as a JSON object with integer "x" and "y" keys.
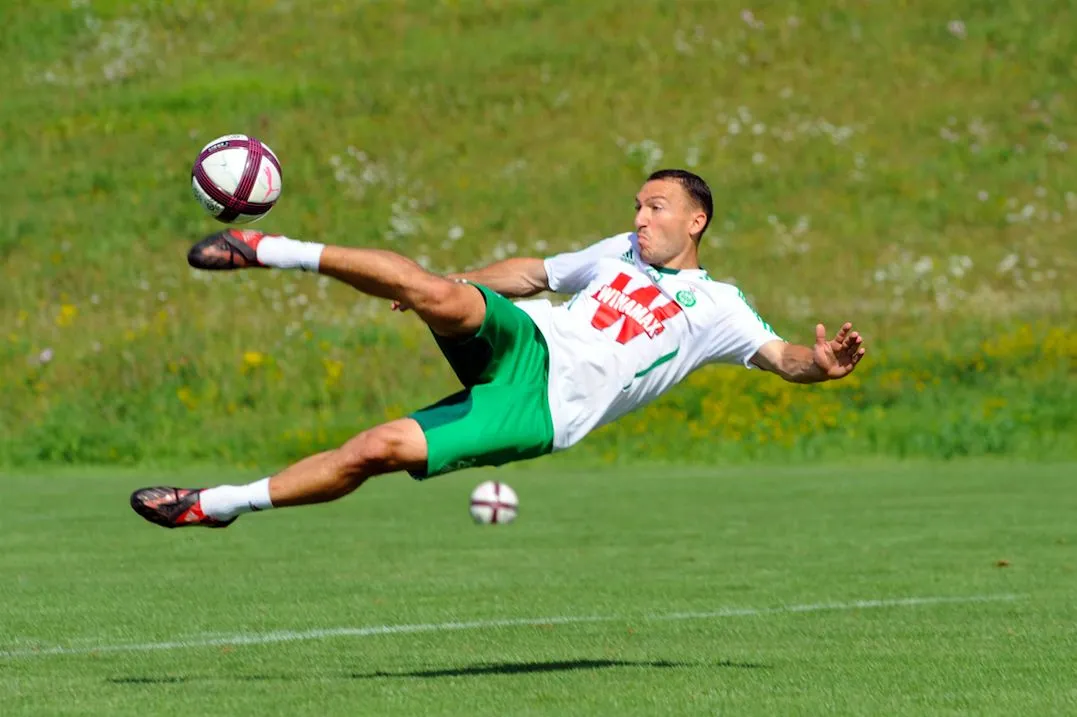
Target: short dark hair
{"x": 695, "y": 186}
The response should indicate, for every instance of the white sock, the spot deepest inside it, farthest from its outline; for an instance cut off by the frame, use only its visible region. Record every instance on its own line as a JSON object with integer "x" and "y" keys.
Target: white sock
{"x": 284, "y": 253}
{"x": 228, "y": 501}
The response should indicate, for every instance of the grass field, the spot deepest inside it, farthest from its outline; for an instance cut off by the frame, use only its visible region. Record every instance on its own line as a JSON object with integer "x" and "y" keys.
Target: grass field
{"x": 907, "y": 166}
{"x": 908, "y": 169}
{"x": 882, "y": 588}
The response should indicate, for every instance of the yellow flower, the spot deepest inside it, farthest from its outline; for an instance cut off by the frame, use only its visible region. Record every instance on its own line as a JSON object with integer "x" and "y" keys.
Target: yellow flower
{"x": 67, "y": 314}
{"x": 187, "y": 398}
{"x": 333, "y": 371}
{"x": 253, "y": 359}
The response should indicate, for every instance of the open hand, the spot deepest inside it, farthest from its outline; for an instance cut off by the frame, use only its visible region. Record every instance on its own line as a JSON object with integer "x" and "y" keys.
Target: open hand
{"x": 838, "y": 357}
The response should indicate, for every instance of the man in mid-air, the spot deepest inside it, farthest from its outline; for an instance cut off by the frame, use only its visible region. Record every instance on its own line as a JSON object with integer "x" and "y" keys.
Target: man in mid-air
{"x": 536, "y": 377}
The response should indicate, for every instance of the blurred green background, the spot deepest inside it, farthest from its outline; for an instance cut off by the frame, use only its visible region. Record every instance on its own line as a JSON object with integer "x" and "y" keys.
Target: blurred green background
{"x": 905, "y": 165}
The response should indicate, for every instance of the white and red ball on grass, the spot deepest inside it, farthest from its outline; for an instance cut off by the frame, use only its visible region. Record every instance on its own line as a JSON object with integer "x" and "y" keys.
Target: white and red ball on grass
{"x": 493, "y": 502}
{"x": 236, "y": 178}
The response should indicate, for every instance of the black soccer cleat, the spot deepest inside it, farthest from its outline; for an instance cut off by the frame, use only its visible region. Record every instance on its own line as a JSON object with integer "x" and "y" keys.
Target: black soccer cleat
{"x": 229, "y": 249}
{"x": 173, "y": 508}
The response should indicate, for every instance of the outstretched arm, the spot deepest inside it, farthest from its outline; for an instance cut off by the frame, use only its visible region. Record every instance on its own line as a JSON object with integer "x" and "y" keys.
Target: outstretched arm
{"x": 825, "y": 361}
{"x": 514, "y": 278}
{"x": 526, "y": 276}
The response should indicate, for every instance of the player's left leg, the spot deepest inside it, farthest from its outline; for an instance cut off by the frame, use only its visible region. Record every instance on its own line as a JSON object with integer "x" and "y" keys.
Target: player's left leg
{"x": 502, "y": 415}
{"x": 486, "y": 425}
{"x": 326, "y": 476}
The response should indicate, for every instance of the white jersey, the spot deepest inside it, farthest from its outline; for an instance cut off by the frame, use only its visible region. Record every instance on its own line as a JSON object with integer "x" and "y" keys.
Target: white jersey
{"x": 632, "y": 331}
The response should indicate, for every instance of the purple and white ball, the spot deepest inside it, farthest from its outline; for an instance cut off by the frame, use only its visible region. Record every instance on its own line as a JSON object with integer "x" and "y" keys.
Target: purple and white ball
{"x": 493, "y": 502}
{"x": 236, "y": 178}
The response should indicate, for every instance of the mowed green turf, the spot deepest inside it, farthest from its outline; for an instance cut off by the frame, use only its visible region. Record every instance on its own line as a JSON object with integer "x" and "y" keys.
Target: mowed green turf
{"x": 777, "y": 556}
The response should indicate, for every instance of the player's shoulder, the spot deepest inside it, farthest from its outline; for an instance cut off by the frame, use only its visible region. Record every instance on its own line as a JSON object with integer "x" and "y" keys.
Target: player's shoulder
{"x": 708, "y": 284}
{"x": 619, "y": 243}
{"x": 730, "y": 301}
{"x": 611, "y": 246}
{"x": 618, "y": 246}
{"x": 720, "y": 292}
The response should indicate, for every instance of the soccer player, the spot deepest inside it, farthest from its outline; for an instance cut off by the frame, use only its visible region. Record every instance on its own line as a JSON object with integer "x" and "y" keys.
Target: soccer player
{"x": 536, "y": 377}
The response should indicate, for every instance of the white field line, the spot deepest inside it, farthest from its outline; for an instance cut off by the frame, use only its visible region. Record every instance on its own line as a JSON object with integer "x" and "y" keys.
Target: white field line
{"x": 265, "y": 638}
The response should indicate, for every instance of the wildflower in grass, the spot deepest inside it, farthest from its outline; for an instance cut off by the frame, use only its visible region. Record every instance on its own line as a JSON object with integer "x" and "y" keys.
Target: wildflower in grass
{"x": 333, "y": 371}
{"x": 67, "y": 315}
{"x": 252, "y": 360}
{"x": 750, "y": 20}
{"x": 187, "y": 398}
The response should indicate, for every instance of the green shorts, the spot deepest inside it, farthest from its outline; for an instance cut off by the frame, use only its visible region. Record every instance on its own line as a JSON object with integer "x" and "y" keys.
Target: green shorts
{"x": 503, "y": 413}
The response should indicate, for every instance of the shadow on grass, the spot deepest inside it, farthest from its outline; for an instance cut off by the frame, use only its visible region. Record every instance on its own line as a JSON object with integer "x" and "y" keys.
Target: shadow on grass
{"x": 517, "y": 668}
{"x": 502, "y": 668}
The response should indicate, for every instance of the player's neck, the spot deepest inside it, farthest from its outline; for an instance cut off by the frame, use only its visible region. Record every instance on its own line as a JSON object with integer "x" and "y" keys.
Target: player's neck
{"x": 688, "y": 259}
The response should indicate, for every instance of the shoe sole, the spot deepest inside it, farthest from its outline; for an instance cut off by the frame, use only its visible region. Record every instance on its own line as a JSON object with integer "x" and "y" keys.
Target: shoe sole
{"x": 148, "y": 513}
{"x": 155, "y": 517}
{"x": 217, "y": 252}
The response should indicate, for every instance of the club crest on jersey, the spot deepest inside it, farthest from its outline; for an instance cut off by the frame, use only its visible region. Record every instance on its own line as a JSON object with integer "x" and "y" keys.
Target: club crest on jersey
{"x": 686, "y": 297}
{"x": 633, "y": 309}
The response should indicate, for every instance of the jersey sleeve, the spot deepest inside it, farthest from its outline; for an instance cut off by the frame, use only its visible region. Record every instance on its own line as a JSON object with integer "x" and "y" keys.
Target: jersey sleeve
{"x": 572, "y": 271}
{"x": 740, "y": 333}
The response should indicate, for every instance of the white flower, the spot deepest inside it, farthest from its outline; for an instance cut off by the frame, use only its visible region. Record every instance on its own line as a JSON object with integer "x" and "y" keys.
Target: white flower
{"x": 1008, "y": 263}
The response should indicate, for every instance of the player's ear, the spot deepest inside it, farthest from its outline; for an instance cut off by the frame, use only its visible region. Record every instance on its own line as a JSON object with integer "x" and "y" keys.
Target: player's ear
{"x": 699, "y": 221}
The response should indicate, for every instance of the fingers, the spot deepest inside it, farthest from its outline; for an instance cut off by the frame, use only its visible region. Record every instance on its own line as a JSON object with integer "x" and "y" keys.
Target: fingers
{"x": 852, "y": 354}
{"x": 846, "y": 337}
{"x": 843, "y": 332}
{"x": 850, "y": 359}
{"x": 854, "y": 342}
{"x": 848, "y": 347}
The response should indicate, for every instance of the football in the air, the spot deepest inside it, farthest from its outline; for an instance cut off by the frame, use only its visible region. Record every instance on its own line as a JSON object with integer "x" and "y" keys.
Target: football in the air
{"x": 493, "y": 502}
{"x": 236, "y": 178}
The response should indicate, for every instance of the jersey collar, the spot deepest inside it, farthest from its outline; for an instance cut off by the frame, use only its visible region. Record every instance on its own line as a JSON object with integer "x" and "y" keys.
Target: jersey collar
{"x": 700, "y": 273}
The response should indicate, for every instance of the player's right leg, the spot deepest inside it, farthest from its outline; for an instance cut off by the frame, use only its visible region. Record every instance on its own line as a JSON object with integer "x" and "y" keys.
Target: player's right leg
{"x": 390, "y": 447}
{"x": 502, "y": 416}
{"x": 449, "y": 308}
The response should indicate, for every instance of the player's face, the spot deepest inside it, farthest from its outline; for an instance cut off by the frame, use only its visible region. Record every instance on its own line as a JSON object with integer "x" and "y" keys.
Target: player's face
{"x": 666, "y": 219}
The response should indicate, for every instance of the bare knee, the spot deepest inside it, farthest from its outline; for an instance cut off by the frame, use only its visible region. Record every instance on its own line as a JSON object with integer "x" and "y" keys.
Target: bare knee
{"x": 450, "y": 308}
{"x": 368, "y": 454}
{"x": 384, "y": 449}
